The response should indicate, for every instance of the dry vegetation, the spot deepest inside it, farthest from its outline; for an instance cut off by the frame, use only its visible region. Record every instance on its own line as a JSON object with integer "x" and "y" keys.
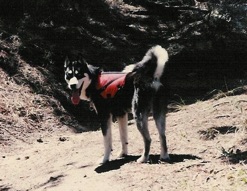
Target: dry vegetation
{"x": 24, "y": 112}
{"x": 28, "y": 109}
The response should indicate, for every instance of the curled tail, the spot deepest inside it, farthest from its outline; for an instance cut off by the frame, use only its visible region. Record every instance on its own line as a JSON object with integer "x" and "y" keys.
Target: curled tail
{"x": 153, "y": 63}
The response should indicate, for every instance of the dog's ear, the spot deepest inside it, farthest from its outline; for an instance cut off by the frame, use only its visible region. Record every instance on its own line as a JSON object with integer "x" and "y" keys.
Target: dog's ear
{"x": 94, "y": 70}
{"x": 66, "y": 62}
{"x": 81, "y": 60}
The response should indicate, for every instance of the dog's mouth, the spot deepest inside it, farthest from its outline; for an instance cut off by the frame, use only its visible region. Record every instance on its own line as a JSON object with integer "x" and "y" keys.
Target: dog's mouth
{"x": 75, "y": 98}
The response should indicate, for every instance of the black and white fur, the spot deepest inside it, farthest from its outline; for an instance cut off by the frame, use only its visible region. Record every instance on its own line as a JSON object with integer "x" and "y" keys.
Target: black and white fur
{"x": 143, "y": 92}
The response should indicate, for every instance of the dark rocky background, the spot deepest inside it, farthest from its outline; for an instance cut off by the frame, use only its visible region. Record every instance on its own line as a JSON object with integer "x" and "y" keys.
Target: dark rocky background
{"x": 206, "y": 40}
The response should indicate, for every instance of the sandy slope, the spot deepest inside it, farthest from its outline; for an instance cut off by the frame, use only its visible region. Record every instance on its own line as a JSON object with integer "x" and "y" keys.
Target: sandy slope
{"x": 198, "y": 136}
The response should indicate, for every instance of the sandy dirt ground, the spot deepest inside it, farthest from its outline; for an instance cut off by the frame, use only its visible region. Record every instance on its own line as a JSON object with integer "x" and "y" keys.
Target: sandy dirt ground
{"x": 207, "y": 144}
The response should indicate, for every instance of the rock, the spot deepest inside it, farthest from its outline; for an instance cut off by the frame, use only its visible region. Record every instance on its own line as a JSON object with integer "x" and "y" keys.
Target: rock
{"x": 40, "y": 140}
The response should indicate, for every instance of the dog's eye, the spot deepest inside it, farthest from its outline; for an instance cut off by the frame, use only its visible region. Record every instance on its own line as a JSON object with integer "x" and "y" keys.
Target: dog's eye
{"x": 69, "y": 72}
{"x": 68, "y": 75}
{"x": 79, "y": 75}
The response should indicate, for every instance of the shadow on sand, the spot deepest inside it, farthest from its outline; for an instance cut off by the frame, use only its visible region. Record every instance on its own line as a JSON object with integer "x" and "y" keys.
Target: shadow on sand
{"x": 153, "y": 159}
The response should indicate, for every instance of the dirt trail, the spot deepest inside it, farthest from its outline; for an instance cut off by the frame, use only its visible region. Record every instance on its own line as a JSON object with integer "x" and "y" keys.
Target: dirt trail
{"x": 207, "y": 144}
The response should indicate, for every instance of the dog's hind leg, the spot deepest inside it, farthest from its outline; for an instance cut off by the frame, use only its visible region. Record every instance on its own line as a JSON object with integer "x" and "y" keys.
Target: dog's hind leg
{"x": 159, "y": 114}
{"x": 142, "y": 125}
{"x": 107, "y": 135}
{"x": 140, "y": 106}
{"x": 123, "y": 123}
{"x": 160, "y": 124}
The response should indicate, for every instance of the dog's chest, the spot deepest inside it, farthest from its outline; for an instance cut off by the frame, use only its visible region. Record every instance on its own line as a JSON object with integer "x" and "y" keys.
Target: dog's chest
{"x": 109, "y": 84}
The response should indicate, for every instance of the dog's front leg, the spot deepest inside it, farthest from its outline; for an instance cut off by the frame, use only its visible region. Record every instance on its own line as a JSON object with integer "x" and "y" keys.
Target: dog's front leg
{"x": 107, "y": 135}
{"x": 123, "y": 123}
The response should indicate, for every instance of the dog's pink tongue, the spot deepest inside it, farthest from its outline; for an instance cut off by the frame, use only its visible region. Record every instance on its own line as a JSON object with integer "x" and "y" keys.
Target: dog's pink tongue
{"x": 75, "y": 98}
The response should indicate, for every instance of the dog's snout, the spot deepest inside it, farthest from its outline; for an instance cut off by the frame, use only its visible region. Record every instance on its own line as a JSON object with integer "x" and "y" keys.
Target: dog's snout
{"x": 73, "y": 83}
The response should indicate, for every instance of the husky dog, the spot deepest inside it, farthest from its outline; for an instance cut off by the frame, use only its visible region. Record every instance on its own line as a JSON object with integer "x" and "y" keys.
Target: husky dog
{"x": 137, "y": 87}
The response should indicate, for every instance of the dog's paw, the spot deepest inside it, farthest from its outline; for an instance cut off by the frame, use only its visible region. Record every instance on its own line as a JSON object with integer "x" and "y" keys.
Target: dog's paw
{"x": 164, "y": 156}
{"x": 102, "y": 161}
{"x": 122, "y": 154}
{"x": 143, "y": 159}
{"x": 165, "y": 159}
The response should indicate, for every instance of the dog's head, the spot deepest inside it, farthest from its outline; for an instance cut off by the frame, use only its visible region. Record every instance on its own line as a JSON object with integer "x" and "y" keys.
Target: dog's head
{"x": 78, "y": 75}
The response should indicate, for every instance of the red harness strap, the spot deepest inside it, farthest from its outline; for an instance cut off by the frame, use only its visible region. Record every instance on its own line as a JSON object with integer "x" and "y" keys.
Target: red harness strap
{"x": 110, "y": 83}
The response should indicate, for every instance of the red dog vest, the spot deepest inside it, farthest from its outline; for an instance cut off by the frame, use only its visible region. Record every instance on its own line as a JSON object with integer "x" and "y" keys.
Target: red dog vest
{"x": 110, "y": 83}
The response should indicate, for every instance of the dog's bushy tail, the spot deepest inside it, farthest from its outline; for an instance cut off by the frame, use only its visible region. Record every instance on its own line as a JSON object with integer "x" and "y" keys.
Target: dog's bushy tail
{"x": 153, "y": 63}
